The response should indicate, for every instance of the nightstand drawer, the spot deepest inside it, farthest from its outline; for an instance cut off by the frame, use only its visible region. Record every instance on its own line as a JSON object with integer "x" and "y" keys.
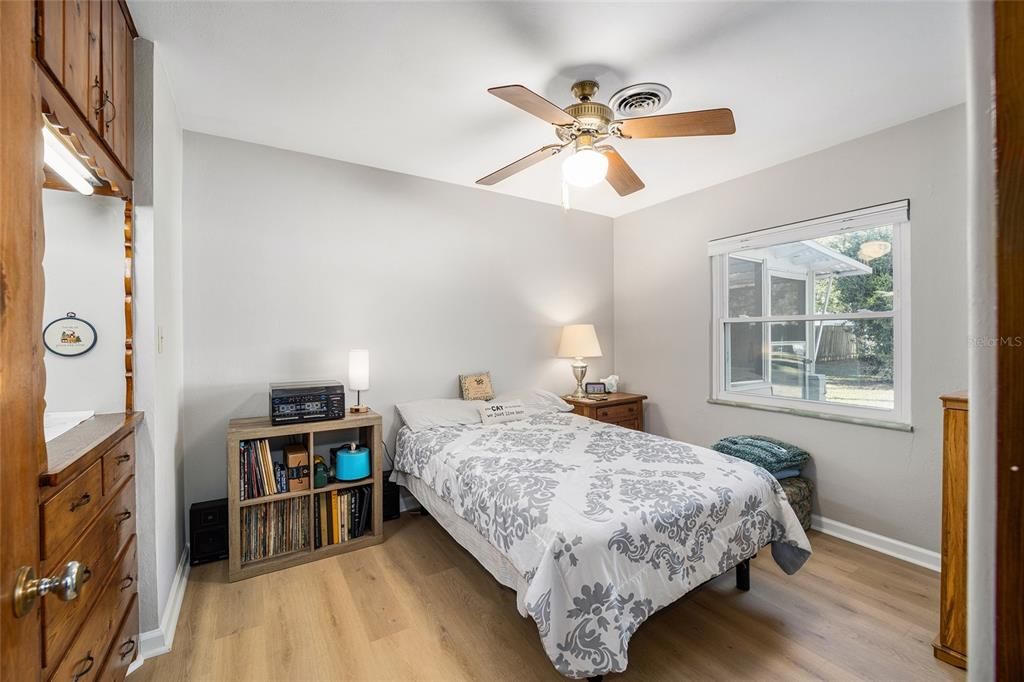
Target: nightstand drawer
{"x": 617, "y": 413}
{"x": 630, "y": 424}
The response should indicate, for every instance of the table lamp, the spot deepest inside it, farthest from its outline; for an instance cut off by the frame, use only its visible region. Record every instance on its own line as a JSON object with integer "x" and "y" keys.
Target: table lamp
{"x": 359, "y": 377}
{"x": 579, "y": 341}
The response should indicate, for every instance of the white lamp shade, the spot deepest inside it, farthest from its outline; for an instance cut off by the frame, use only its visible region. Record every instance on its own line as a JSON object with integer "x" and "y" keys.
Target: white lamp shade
{"x": 579, "y": 341}
{"x": 585, "y": 168}
{"x": 358, "y": 370}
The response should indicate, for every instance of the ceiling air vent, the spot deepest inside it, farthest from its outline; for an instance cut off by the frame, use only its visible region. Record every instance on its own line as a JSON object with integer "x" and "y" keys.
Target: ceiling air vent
{"x": 642, "y": 99}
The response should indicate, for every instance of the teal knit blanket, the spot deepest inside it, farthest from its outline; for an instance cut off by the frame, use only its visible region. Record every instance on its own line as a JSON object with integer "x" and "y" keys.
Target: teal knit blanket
{"x": 768, "y": 453}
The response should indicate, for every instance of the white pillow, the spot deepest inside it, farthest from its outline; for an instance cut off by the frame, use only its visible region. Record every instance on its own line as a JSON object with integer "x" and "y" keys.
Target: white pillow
{"x": 498, "y": 411}
{"x": 426, "y": 414}
{"x": 537, "y": 400}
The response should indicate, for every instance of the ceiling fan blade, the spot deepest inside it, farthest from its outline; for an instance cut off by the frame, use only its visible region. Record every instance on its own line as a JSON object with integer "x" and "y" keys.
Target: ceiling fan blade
{"x": 522, "y": 164}
{"x": 621, "y": 176}
{"x": 532, "y": 103}
{"x": 707, "y": 122}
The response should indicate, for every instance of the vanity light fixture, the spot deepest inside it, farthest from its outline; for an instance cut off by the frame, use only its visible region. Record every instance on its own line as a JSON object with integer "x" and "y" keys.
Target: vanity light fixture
{"x": 66, "y": 163}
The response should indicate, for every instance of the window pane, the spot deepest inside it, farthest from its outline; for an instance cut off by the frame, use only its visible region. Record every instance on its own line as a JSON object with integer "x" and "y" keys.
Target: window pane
{"x": 789, "y": 296}
{"x": 745, "y": 287}
{"x": 744, "y": 352}
{"x": 844, "y": 362}
{"x": 868, "y": 288}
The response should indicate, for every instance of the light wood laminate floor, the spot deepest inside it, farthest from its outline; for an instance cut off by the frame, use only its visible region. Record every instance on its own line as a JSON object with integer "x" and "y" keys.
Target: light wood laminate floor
{"x": 419, "y": 607}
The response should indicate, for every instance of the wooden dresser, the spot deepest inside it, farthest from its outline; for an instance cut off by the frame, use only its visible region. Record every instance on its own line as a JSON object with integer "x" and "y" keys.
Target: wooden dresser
{"x": 951, "y": 643}
{"x": 624, "y": 409}
{"x": 87, "y": 514}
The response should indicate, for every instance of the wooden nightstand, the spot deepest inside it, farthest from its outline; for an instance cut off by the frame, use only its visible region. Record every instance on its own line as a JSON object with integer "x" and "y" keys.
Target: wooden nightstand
{"x": 624, "y": 409}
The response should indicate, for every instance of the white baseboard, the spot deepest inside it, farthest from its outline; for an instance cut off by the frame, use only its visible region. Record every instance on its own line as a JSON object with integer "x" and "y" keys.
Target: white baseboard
{"x": 159, "y": 641}
{"x": 880, "y": 543}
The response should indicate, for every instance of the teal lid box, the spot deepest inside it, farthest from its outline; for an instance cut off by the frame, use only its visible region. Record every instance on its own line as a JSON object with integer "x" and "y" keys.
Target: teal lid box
{"x": 352, "y": 463}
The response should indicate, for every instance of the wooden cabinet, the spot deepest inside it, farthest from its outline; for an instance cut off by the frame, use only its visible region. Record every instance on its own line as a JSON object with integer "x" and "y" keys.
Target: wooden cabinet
{"x": 86, "y": 49}
{"x": 87, "y": 501}
{"x": 117, "y": 112}
{"x": 951, "y": 643}
{"x": 623, "y": 409}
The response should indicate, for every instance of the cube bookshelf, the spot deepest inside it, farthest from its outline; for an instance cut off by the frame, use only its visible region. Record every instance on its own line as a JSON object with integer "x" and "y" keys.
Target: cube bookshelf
{"x": 290, "y": 541}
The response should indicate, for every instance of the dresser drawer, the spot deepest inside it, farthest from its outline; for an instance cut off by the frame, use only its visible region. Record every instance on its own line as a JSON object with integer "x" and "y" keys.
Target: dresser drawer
{"x": 67, "y": 513}
{"x": 617, "y": 413}
{"x": 125, "y": 646}
{"x": 630, "y": 424}
{"x": 97, "y": 550}
{"x": 119, "y": 516}
{"x": 118, "y": 463}
{"x": 84, "y": 659}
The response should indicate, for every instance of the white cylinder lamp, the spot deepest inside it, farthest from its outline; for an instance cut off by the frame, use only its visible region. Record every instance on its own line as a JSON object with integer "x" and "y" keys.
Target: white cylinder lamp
{"x": 359, "y": 376}
{"x": 579, "y": 341}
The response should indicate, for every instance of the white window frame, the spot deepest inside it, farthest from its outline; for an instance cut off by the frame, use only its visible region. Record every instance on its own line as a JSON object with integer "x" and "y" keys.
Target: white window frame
{"x": 896, "y": 214}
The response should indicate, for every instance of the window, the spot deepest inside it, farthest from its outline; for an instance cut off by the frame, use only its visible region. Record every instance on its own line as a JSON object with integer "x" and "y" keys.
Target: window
{"x": 814, "y": 317}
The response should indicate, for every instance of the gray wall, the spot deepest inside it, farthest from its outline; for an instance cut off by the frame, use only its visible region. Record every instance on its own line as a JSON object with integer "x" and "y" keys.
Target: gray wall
{"x": 879, "y": 480}
{"x": 84, "y": 266}
{"x": 158, "y": 335}
{"x": 291, "y": 260}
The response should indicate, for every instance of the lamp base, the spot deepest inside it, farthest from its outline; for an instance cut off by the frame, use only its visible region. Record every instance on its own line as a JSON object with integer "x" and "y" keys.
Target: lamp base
{"x": 579, "y": 370}
{"x": 358, "y": 408}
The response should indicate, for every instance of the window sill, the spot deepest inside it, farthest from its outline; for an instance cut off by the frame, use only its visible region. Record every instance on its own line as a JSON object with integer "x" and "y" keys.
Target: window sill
{"x": 859, "y": 421}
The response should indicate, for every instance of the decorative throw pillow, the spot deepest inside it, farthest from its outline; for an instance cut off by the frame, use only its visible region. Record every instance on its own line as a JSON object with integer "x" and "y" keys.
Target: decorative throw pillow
{"x": 507, "y": 411}
{"x": 476, "y": 386}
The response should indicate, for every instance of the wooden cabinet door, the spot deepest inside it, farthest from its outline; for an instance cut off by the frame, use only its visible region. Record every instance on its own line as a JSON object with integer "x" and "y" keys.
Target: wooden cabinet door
{"x": 76, "y": 76}
{"x": 23, "y": 379}
{"x": 69, "y": 46}
{"x": 118, "y": 69}
{"x": 50, "y": 29}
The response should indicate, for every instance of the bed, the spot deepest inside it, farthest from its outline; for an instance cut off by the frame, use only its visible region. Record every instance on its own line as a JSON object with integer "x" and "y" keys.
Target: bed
{"x": 594, "y": 526}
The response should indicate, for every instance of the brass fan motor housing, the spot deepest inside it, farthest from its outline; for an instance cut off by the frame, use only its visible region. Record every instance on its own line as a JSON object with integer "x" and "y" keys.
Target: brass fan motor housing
{"x": 593, "y": 116}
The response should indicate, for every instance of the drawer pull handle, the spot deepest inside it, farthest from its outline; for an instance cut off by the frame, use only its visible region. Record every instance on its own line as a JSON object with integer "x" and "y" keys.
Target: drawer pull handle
{"x": 121, "y": 459}
{"x": 123, "y": 516}
{"x": 85, "y": 499}
{"x": 126, "y": 648}
{"x": 127, "y": 582}
{"x": 89, "y": 663}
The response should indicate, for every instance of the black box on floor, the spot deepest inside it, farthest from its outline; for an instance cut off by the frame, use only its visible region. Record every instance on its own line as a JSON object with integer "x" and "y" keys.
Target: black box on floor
{"x": 390, "y": 499}
{"x": 208, "y": 525}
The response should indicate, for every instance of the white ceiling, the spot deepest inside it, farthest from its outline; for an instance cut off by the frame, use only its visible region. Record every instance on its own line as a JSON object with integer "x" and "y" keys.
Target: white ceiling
{"x": 403, "y": 86}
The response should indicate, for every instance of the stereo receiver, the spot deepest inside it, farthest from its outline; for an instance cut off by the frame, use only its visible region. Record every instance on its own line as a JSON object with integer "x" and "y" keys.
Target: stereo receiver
{"x": 306, "y": 401}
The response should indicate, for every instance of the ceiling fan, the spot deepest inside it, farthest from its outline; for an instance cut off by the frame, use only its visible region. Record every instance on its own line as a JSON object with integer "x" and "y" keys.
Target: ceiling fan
{"x": 586, "y": 123}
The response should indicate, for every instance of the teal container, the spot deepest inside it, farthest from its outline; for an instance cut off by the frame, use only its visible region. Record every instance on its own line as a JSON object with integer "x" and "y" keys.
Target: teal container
{"x": 352, "y": 464}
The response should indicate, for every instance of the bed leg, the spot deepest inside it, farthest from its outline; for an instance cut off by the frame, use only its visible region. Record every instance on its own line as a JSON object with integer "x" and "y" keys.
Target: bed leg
{"x": 424, "y": 512}
{"x": 743, "y": 576}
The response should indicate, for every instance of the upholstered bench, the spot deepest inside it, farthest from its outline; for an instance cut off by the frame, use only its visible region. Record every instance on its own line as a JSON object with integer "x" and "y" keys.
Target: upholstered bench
{"x": 798, "y": 491}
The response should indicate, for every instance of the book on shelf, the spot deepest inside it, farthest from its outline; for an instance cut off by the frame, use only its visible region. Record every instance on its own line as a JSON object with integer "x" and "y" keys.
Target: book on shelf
{"x": 341, "y": 515}
{"x": 258, "y": 474}
{"x": 274, "y": 528}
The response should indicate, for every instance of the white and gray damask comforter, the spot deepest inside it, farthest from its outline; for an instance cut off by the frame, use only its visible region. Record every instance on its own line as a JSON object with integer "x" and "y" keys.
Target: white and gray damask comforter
{"x": 606, "y": 525}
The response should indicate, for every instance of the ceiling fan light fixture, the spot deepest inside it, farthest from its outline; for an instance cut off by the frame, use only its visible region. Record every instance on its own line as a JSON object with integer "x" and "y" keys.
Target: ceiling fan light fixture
{"x": 585, "y": 168}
